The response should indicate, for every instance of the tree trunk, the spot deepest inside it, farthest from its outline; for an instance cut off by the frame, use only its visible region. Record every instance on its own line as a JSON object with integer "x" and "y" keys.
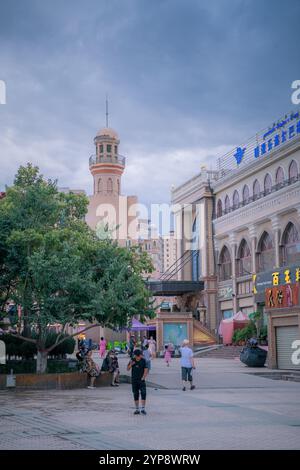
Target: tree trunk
{"x": 41, "y": 362}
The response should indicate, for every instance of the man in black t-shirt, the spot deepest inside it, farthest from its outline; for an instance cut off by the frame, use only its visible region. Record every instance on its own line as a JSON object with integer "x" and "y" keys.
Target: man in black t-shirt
{"x": 139, "y": 372}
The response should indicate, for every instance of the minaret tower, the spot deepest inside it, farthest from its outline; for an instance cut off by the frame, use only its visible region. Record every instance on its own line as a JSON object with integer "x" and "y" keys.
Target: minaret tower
{"x": 107, "y": 165}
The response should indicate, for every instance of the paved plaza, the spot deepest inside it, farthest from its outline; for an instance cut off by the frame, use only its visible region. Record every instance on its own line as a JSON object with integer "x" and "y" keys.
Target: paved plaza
{"x": 230, "y": 409}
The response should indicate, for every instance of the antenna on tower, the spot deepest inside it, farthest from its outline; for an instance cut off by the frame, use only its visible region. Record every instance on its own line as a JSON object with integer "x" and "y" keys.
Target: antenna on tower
{"x": 106, "y": 111}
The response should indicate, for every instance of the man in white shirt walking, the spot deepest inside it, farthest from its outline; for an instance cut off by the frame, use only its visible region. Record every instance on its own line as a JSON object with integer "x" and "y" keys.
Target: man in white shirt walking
{"x": 187, "y": 365}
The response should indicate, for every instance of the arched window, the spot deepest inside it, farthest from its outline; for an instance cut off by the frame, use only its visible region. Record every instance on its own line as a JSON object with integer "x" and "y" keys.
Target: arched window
{"x": 279, "y": 176}
{"x": 244, "y": 259}
{"x": 219, "y": 208}
{"x": 291, "y": 245}
{"x": 118, "y": 186}
{"x": 227, "y": 204}
{"x": 109, "y": 185}
{"x": 256, "y": 189}
{"x": 293, "y": 171}
{"x": 267, "y": 184}
{"x": 100, "y": 185}
{"x": 266, "y": 253}
{"x": 246, "y": 194}
{"x": 225, "y": 264}
{"x": 236, "y": 199}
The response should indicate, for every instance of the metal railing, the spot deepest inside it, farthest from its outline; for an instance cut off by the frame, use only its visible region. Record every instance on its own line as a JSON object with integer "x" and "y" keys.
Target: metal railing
{"x": 179, "y": 264}
{"x": 256, "y": 197}
{"x": 227, "y": 165}
{"x": 95, "y": 159}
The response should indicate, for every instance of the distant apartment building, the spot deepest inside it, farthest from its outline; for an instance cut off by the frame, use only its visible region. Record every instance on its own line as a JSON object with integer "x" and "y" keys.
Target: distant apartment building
{"x": 169, "y": 255}
{"x": 67, "y": 190}
{"x": 150, "y": 242}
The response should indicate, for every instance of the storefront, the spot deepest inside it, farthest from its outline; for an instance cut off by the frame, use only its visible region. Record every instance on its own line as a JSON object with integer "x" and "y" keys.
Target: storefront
{"x": 173, "y": 327}
{"x": 225, "y": 302}
{"x": 282, "y": 307}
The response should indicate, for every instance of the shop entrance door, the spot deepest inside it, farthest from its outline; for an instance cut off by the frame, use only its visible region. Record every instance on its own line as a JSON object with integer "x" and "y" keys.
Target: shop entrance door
{"x": 285, "y": 336}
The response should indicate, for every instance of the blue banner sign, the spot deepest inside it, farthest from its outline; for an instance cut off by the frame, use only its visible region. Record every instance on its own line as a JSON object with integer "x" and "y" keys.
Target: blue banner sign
{"x": 280, "y": 133}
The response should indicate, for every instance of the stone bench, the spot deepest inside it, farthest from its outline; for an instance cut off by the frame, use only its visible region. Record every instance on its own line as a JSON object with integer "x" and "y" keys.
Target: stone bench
{"x": 58, "y": 381}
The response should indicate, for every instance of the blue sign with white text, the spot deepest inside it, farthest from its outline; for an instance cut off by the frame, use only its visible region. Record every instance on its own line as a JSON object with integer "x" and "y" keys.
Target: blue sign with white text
{"x": 280, "y": 133}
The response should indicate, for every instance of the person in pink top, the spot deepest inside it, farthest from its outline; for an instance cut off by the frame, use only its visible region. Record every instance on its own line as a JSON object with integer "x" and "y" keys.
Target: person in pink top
{"x": 168, "y": 353}
{"x": 102, "y": 347}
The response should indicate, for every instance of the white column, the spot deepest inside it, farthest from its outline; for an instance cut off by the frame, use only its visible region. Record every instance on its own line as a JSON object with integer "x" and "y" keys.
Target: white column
{"x": 233, "y": 246}
{"x": 253, "y": 239}
{"x": 276, "y": 231}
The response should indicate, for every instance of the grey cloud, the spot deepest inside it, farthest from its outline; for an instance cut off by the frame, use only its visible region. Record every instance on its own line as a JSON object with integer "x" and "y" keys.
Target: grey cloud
{"x": 186, "y": 79}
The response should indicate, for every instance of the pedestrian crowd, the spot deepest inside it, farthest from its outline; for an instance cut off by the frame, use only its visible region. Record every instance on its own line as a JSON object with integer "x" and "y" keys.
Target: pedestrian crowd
{"x": 141, "y": 356}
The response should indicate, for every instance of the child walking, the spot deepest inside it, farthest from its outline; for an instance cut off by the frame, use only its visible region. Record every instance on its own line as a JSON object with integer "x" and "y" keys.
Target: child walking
{"x": 168, "y": 354}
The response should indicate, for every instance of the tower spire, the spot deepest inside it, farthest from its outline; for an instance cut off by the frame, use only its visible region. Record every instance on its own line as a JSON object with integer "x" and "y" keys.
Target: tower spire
{"x": 106, "y": 111}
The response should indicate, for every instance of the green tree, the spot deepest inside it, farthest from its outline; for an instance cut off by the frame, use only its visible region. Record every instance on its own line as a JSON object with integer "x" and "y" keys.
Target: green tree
{"x": 57, "y": 269}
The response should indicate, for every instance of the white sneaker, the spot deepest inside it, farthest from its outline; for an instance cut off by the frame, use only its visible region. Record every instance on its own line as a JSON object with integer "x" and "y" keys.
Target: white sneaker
{"x": 91, "y": 387}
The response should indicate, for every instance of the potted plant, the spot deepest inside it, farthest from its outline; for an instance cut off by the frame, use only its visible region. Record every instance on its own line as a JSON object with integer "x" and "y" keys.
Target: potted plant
{"x": 263, "y": 335}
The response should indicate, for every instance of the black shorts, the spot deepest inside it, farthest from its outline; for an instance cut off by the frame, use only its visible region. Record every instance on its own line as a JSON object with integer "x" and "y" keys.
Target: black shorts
{"x": 186, "y": 374}
{"x": 138, "y": 387}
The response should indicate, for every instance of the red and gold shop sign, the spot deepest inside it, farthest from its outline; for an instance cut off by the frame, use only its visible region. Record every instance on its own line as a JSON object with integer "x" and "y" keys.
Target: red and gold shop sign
{"x": 284, "y": 296}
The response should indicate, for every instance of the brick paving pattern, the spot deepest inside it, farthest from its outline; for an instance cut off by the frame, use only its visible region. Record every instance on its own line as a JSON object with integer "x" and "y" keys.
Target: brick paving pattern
{"x": 230, "y": 409}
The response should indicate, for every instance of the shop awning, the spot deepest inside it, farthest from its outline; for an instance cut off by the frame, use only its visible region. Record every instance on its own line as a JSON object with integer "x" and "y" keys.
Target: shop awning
{"x": 174, "y": 288}
{"x": 138, "y": 326}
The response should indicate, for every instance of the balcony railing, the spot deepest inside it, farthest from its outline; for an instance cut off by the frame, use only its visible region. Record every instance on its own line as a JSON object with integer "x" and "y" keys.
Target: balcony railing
{"x": 256, "y": 197}
{"x": 95, "y": 159}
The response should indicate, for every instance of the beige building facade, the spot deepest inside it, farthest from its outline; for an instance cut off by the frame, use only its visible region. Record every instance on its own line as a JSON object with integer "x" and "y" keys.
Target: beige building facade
{"x": 257, "y": 233}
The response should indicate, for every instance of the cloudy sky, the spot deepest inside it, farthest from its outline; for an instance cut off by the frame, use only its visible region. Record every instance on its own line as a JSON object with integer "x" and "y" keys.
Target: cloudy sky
{"x": 187, "y": 80}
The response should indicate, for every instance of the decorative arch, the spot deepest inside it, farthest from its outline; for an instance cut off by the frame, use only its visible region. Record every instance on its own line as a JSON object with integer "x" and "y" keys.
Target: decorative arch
{"x": 279, "y": 177}
{"x": 267, "y": 183}
{"x": 225, "y": 265}
{"x": 290, "y": 249}
{"x": 293, "y": 170}
{"x": 265, "y": 252}
{"x": 100, "y": 185}
{"x": 244, "y": 265}
{"x": 246, "y": 194}
{"x": 109, "y": 185}
{"x": 236, "y": 199}
{"x": 219, "y": 208}
{"x": 256, "y": 189}
{"x": 227, "y": 204}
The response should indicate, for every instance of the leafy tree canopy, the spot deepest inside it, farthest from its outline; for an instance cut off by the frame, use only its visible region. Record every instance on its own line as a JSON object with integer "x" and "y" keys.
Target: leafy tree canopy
{"x": 57, "y": 269}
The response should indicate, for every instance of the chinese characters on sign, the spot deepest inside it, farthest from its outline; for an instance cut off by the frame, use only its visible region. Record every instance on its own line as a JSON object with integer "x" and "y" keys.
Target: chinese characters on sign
{"x": 282, "y": 296}
{"x": 286, "y": 295}
{"x": 287, "y": 276}
{"x": 281, "y": 132}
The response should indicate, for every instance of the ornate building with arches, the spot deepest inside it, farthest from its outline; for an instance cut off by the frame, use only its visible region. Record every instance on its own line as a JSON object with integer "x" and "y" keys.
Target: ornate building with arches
{"x": 257, "y": 235}
{"x": 249, "y": 239}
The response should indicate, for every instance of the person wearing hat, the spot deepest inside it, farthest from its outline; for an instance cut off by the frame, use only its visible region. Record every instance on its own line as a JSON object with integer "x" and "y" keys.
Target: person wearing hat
{"x": 187, "y": 365}
{"x": 139, "y": 371}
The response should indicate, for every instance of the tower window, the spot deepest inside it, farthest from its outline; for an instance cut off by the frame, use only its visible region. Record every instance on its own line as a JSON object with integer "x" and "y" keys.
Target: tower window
{"x": 109, "y": 185}
{"x": 101, "y": 148}
{"x": 116, "y": 149}
{"x": 108, "y": 148}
